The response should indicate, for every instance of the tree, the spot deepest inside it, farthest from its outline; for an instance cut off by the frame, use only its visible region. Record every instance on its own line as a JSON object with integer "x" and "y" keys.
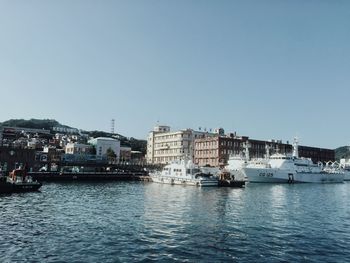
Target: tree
{"x": 111, "y": 154}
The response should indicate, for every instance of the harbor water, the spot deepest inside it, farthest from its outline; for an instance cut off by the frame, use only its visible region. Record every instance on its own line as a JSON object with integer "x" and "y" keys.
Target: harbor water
{"x": 142, "y": 222}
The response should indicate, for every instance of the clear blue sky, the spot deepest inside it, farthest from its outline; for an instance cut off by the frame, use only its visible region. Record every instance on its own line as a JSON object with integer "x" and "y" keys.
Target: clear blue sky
{"x": 266, "y": 69}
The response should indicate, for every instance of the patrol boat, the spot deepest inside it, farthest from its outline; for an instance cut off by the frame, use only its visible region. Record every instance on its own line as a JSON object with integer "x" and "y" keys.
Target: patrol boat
{"x": 184, "y": 172}
{"x": 280, "y": 168}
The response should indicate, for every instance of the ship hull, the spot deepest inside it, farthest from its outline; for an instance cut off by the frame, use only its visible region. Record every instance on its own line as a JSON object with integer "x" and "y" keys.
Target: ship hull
{"x": 183, "y": 181}
{"x": 7, "y": 187}
{"x": 268, "y": 175}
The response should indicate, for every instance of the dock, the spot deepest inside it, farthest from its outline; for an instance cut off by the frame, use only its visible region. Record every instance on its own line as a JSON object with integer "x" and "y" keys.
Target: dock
{"x": 90, "y": 176}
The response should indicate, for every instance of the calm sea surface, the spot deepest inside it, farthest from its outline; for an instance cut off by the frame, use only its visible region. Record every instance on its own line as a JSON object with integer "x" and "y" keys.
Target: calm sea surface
{"x": 123, "y": 221}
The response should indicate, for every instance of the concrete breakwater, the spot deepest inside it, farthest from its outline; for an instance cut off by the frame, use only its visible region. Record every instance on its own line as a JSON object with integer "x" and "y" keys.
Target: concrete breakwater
{"x": 90, "y": 176}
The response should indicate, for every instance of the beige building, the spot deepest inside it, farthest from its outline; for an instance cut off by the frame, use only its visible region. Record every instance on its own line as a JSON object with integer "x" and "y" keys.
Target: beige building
{"x": 164, "y": 146}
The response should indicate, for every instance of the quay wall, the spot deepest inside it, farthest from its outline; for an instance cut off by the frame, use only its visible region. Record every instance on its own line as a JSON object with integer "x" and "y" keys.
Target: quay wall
{"x": 89, "y": 176}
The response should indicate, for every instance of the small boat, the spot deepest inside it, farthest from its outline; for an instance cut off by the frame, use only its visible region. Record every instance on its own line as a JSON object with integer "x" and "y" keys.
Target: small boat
{"x": 183, "y": 172}
{"x": 227, "y": 178}
{"x": 18, "y": 181}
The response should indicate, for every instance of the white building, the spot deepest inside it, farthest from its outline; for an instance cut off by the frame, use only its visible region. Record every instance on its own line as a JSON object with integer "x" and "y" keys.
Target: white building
{"x": 164, "y": 146}
{"x": 102, "y": 144}
{"x": 76, "y": 148}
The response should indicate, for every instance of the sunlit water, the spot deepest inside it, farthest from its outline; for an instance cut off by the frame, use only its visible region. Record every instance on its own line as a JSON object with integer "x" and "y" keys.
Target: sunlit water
{"x": 123, "y": 221}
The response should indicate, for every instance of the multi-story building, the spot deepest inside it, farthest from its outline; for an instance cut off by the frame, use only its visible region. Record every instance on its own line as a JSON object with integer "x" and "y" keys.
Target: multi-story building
{"x": 215, "y": 150}
{"x": 317, "y": 154}
{"x": 164, "y": 146}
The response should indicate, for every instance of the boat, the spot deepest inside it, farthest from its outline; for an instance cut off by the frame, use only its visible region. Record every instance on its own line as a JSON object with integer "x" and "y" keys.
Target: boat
{"x": 18, "y": 181}
{"x": 281, "y": 168}
{"x": 184, "y": 172}
{"x": 227, "y": 179}
{"x": 235, "y": 164}
{"x": 345, "y": 166}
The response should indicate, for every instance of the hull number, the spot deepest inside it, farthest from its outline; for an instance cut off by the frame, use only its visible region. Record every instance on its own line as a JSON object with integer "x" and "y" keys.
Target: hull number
{"x": 266, "y": 174}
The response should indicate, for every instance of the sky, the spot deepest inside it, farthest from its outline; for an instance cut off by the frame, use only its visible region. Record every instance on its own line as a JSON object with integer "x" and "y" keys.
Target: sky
{"x": 267, "y": 69}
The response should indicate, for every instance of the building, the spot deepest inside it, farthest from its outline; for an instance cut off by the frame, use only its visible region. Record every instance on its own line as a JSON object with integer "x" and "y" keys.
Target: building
{"x": 164, "y": 146}
{"x": 13, "y": 130}
{"x": 65, "y": 130}
{"x": 317, "y": 154}
{"x": 78, "y": 148}
{"x": 125, "y": 154}
{"x": 11, "y": 158}
{"x": 102, "y": 144}
{"x": 215, "y": 150}
{"x": 137, "y": 157}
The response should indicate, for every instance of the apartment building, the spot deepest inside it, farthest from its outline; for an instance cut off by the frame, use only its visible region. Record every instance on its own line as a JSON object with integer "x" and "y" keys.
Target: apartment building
{"x": 164, "y": 146}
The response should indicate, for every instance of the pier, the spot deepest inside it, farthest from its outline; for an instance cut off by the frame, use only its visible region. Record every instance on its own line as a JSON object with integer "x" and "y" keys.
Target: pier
{"x": 90, "y": 176}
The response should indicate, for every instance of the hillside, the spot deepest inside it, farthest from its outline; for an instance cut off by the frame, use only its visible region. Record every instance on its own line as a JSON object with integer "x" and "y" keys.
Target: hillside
{"x": 47, "y": 124}
{"x": 342, "y": 152}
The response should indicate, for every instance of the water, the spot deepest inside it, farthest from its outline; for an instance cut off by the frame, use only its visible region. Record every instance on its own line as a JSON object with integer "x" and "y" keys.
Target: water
{"x": 123, "y": 221}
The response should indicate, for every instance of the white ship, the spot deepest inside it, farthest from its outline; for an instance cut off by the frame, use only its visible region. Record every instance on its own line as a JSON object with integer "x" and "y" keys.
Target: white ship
{"x": 280, "y": 168}
{"x": 345, "y": 166}
{"x": 235, "y": 164}
{"x": 184, "y": 172}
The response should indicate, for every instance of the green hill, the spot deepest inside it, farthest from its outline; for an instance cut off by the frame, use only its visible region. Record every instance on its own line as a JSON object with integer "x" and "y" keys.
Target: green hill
{"x": 46, "y": 124}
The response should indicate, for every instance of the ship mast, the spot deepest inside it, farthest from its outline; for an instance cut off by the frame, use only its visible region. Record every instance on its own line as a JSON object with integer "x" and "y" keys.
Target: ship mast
{"x": 267, "y": 148}
{"x": 295, "y": 148}
{"x": 246, "y": 150}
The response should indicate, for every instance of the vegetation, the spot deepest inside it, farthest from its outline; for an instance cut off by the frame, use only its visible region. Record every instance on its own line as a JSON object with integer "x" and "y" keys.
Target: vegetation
{"x": 46, "y": 124}
{"x": 96, "y": 134}
{"x": 342, "y": 152}
{"x": 138, "y": 145}
{"x": 110, "y": 154}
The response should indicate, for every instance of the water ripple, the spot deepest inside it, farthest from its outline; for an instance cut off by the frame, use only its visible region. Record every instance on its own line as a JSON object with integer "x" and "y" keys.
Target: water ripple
{"x": 143, "y": 222}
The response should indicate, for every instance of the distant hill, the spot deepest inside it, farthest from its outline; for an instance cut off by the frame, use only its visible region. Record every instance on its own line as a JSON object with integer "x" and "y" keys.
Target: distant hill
{"x": 342, "y": 152}
{"x": 47, "y": 124}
